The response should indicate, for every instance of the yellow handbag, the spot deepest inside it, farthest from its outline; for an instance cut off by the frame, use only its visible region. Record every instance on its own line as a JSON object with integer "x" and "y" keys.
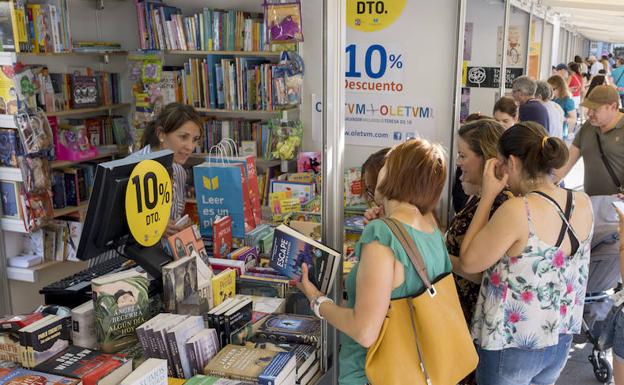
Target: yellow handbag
{"x": 424, "y": 339}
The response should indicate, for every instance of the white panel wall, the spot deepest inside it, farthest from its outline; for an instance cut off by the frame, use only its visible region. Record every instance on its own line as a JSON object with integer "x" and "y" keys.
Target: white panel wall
{"x": 546, "y": 52}
{"x": 486, "y": 18}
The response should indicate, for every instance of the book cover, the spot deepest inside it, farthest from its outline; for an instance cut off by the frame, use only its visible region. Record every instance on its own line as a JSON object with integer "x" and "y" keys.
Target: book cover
{"x": 91, "y": 366}
{"x": 278, "y": 370}
{"x": 303, "y": 191}
{"x": 121, "y": 304}
{"x": 222, "y": 237}
{"x": 30, "y": 377}
{"x": 180, "y": 286}
{"x": 239, "y": 363}
{"x": 43, "y": 339}
{"x": 223, "y": 286}
{"x": 9, "y": 192}
{"x": 8, "y": 35}
{"x": 354, "y": 187}
{"x": 290, "y": 328}
{"x": 220, "y": 264}
{"x": 85, "y": 91}
{"x": 176, "y": 338}
{"x": 8, "y": 93}
{"x": 235, "y": 318}
{"x": 58, "y": 190}
{"x": 305, "y": 354}
{"x": 309, "y": 162}
{"x": 83, "y": 326}
{"x": 291, "y": 249}
{"x": 152, "y": 372}
{"x": 185, "y": 242}
{"x": 202, "y": 347}
{"x": 15, "y": 322}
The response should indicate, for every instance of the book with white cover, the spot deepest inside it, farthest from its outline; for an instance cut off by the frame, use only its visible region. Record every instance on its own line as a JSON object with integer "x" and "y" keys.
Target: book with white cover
{"x": 152, "y": 372}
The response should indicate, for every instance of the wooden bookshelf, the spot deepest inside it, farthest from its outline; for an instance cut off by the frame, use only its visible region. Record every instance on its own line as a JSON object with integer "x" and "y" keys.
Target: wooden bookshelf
{"x": 245, "y": 113}
{"x": 28, "y": 274}
{"x": 15, "y": 225}
{"x": 11, "y": 174}
{"x": 70, "y": 209}
{"x": 267, "y": 54}
{"x": 68, "y": 163}
{"x": 80, "y": 111}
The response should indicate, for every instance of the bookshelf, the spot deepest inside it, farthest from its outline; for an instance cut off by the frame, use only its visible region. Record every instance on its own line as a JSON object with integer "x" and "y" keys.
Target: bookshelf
{"x": 70, "y": 209}
{"x": 13, "y": 225}
{"x": 29, "y": 274}
{"x": 259, "y": 54}
{"x": 94, "y": 110}
{"x": 67, "y": 163}
{"x": 12, "y": 174}
{"x": 73, "y": 53}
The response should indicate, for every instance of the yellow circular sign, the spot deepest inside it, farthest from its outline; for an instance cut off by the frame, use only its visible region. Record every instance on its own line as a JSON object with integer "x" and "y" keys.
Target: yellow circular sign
{"x": 148, "y": 202}
{"x": 371, "y": 16}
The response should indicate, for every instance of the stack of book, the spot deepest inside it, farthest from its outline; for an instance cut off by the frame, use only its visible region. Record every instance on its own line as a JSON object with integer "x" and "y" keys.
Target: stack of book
{"x": 163, "y": 27}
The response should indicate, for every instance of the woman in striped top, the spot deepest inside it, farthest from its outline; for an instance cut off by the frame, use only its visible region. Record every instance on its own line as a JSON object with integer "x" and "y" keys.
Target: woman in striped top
{"x": 177, "y": 128}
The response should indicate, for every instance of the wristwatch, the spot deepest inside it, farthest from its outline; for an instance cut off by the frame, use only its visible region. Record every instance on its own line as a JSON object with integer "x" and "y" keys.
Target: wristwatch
{"x": 315, "y": 304}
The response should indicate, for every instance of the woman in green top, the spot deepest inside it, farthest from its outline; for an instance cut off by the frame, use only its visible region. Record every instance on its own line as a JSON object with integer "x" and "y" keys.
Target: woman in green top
{"x": 384, "y": 270}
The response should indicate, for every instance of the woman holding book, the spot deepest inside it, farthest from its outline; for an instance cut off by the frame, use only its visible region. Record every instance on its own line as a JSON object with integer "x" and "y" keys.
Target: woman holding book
{"x": 178, "y": 128}
{"x": 384, "y": 270}
{"x": 534, "y": 253}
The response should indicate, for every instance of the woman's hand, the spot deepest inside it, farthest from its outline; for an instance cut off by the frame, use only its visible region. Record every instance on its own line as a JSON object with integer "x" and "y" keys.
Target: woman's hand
{"x": 373, "y": 213}
{"x": 307, "y": 287}
{"x": 172, "y": 229}
{"x": 492, "y": 185}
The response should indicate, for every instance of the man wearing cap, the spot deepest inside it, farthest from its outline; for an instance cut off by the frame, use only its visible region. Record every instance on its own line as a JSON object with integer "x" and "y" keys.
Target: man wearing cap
{"x": 530, "y": 108}
{"x": 604, "y": 128}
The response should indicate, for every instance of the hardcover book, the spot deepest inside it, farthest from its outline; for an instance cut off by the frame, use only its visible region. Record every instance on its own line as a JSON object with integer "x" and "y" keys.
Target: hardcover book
{"x": 222, "y": 237}
{"x": 30, "y": 377}
{"x": 180, "y": 284}
{"x": 291, "y": 249}
{"x": 90, "y": 366}
{"x": 10, "y": 198}
{"x": 83, "y": 326}
{"x": 9, "y": 146}
{"x": 85, "y": 91}
{"x": 43, "y": 339}
{"x": 185, "y": 242}
{"x": 240, "y": 363}
{"x": 290, "y": 328}
{"x": 121, "y": 304}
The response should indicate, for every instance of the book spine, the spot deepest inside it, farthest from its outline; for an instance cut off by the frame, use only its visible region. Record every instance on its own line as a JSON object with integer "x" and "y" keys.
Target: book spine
{"x": 176, "y": 360}
{"x": 190, "y": 351}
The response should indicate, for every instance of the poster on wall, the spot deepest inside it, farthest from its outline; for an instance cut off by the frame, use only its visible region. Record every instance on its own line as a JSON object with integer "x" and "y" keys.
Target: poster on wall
{"x": 515, "y": 55}
{"x": 489, "y": 77}
{"x": 384, "y": 103}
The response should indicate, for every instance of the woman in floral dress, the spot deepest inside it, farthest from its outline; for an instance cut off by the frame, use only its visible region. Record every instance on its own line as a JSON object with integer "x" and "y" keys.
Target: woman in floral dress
{"x": 535, "y": 254}
{"x": 477, "y": 143}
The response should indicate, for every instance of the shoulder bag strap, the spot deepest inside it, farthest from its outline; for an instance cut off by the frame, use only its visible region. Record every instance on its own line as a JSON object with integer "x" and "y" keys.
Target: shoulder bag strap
{"x": 412, "y": 251}
{"x": 409, "y": 246}
{"x": 616, "y": 180}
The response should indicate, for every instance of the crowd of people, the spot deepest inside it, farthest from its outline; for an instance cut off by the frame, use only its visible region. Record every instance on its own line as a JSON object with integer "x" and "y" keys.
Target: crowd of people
{"x": 519, "y": 243}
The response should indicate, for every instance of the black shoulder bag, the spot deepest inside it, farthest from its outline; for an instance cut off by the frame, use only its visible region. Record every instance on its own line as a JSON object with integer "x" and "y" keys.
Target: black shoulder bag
{"x": 616, "y": 180}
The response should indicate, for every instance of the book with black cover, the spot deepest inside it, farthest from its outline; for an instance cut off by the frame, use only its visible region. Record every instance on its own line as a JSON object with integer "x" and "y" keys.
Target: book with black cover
{"x": 290, "y": 328}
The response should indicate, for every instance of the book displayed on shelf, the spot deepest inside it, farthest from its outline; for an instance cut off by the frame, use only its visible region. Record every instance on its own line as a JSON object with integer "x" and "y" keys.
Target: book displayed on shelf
{"x": 222, "y": 237}
{"x": 290, "y": 328}
{"x": 181, "y": 292}
{"x": 151, "y": 372}
{"x": 163, "y": 27}
{"x": 8, "y": 93}
{"x": 9, "y": 193}
{"x": 223, "y": 286}
{"x": 83, "y": 326}
{"x": 92, "y": 367}
{"x": 120, "y": 304}
{"x": 185, "y": 242}
{"x": 26, "y": 377}
{"x": 41, "y": 340}
{"x": 240, "y": 363}
{"x": 201, "y": 348}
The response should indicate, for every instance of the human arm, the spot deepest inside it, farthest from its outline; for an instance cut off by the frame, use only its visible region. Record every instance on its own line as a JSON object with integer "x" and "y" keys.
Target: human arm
{"x": 475, "y": 278}
{"x": 621, "y": 216}
{"x": 571, "y": 119}
{"x": 574, "y": 154}
{"x": 486, "y": 241}
{"x": 374, "y": 284}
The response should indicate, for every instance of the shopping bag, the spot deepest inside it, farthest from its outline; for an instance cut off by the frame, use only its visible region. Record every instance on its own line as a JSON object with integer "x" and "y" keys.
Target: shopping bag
{"x": 230, "y": 155}
{"x": 221, "y": 189}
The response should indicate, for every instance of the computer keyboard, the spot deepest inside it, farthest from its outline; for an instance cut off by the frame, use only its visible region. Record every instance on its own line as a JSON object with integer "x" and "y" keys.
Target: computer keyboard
{"x": 75, "y": 289}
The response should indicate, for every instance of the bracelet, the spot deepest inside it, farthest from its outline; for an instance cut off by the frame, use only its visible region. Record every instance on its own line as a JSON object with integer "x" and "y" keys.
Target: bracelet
{"x": 315, "y": 304}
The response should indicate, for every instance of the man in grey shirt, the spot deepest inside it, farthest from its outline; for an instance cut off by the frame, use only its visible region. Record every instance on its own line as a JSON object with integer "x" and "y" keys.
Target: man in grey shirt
{"x": 605, "y": 123}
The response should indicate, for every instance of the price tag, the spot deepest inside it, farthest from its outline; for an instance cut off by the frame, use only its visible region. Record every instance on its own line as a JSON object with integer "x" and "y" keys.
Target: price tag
{"x": 148, "y": 202}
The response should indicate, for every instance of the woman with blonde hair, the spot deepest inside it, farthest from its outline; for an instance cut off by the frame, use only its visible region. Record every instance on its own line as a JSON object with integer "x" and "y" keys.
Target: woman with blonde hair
{"x": 563, "y": 98}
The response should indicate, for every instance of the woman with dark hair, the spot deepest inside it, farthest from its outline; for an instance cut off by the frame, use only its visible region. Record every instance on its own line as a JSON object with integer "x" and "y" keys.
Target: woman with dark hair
{"x": 506, "y": 112}
{"x": 476, "y": 144}
{"x": 576, "y": 83}
{"x": 534, "y": 252}
{"x": 582, "y": 66}
{"x": 597, "y": 80}
{"x": 370, "y": 172}
{"x": 177, "y": 128}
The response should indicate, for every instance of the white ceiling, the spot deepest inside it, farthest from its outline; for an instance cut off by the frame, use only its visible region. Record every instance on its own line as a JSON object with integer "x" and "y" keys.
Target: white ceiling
{"x": 598, "y": 20}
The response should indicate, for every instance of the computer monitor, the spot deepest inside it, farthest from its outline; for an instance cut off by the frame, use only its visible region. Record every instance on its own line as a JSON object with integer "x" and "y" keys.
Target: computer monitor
{"x": 106, "y": 228}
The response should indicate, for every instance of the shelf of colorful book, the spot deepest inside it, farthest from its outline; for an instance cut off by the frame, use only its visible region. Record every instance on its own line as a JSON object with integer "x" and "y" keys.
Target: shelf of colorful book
{"x": 261, "y": 54}
{"x": 81, "y": 111}
{"x": 29, "y": 274}
{"x": 15, "y": 225}
{"x": 67, "y": 163}
{"x": 70, "y": 209}
{"x": 74, "y": 53}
